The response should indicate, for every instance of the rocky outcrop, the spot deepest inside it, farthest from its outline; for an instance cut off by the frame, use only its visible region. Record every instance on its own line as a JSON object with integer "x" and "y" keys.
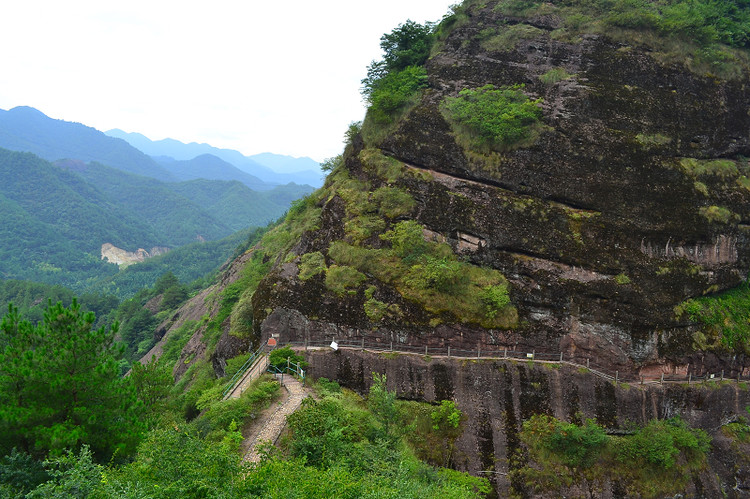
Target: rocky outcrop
{"x": 123, "y": 258}
{"x": 616, "y": 214}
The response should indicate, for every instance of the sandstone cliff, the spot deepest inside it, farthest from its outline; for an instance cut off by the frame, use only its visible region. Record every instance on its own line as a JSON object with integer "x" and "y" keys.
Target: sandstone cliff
{"x": 633, "y": 198}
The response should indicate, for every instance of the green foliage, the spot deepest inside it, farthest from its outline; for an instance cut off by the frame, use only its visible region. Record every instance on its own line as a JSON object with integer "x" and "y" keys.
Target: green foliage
{"x": 495, "y": 298}
{"x": 152, "y": 383}
{"x": 441, "y": 274}
{"x": 508, "y": 37}
{"x": 656, "y": 461}
{"x": 342, "y": 279}
{"x": 446, "y": 416}
{"x": 311, "y": 264}
{"x": 392, "y": 82}
{"x": 407, "y": 240}
{"x": 71, "y": 475}
{"x": 60, "y": 386}
{"x": 220, "y": 416}
{"x": 20, "y": 473}
{"x": 393, "y": 202}
{"x": 175, "y": 461}
{"x": 494, "y": 118}
{"x": 330, "y": 164}
{"x": 723, "y": 317}
{"x": 662, "y": 441}
{"x": 278, "y": 357}
{"x": 393, "y": 92}
{"x": 716, "y": 167}
{"x": 622, "y": 279}
{"x": 555, "y": 75}
{"x": 382, "y": 404}
{"x": 717, "y": 214}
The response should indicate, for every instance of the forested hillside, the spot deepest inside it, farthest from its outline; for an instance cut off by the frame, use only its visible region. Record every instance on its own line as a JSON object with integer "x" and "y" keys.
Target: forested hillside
{"x": 62, "y": 215}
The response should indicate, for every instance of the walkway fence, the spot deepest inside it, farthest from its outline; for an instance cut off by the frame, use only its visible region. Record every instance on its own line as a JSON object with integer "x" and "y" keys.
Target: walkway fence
{"x": 291, "y": 368}
{"x": 260, "y": 352}
{"x": 585, "y": 365}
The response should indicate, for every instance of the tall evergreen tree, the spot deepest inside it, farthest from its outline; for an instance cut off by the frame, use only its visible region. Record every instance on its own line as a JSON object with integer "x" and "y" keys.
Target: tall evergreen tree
{"x": 60, "y": 386}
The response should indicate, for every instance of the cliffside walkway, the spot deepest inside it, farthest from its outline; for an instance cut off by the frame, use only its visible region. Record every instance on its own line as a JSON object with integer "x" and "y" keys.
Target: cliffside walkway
{"x": 591, "y": 366}
{"x": 256, "y": 365}
{"x": 272, "y": 427}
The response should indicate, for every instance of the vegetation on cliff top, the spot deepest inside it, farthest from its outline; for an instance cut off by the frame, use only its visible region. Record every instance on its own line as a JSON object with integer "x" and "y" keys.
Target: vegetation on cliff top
{"x": 703, "y": 34}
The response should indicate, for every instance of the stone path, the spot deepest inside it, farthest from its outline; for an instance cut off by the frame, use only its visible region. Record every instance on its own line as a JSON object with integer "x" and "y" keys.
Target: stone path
{"x": 272, "y": 427}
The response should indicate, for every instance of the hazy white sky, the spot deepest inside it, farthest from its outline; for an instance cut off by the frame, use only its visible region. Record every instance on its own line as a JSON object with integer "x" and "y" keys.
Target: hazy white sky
{"x": 277, "y": 76}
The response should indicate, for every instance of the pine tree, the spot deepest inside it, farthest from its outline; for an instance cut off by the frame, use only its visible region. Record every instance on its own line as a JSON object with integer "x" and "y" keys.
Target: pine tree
{"x": 60, "y": 386}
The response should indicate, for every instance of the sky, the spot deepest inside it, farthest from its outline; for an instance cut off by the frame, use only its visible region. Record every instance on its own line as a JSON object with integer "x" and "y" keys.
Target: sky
{"x": 281, "y": 77}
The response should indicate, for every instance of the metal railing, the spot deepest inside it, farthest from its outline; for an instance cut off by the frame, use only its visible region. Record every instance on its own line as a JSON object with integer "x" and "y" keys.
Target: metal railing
{"x": 292, "y": 368}
{"x": 242, "y": 370}
{"x": 589, "y": 365}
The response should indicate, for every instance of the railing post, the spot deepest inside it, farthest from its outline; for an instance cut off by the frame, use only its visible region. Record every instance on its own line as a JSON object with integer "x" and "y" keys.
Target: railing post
{"x": 662, "y": 379}
{"x": 617, "y": 377}
{"x": 561, "y": 356}
{"x": 641, "y": 378}
{"x": 425, "y": 349}
{"x": 391, "y": 345}
{"x": 479, "y": 350}
{"x": 722, "y": 374}
{"x": 690, "y": 378}
{"x": 587, "y": 363}
{"x": 533, "y": 354}
{"x": 363, "y": 343}
{"x": 449, "y": 351}
{"x": 505, "y": 353}
{"x": 305, "y": 344}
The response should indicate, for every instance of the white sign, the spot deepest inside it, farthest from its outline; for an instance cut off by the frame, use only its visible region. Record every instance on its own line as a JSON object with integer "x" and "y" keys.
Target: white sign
{"x": 334, "y": 345}
{"x": 529, "y": 355}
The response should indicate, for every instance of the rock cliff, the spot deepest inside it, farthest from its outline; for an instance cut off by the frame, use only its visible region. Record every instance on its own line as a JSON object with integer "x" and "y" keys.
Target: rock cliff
{"x": 632, "y": 198}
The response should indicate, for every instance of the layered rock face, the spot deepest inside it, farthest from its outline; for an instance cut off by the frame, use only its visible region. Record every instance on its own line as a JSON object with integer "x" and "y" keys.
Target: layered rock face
{"x": 123, "y": 258}
{"x": 632, "y": 199}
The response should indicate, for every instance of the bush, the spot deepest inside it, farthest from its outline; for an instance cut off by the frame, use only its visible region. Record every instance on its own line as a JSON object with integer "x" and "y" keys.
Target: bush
{"x": 394, "y": 91}
{"x": 494, "y": 118}
{"x": 311, "y": 264}
{"x": 343, "y": 280}
{"x": 495, "y": 298}
{"x": 279, "y": 356}
{"x": 441, "y": 274}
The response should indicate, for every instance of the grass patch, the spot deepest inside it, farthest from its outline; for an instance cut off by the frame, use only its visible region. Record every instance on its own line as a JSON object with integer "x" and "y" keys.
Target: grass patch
{"x": 494, "y": 119}
{"x": 716, "y": 167}
{"x": 343, "y": 280}
{"x": 555, "y": 75}
{"x": 718, "y": 214}
{"x": 311, "y": 264}
{"x": 508, "y": 37}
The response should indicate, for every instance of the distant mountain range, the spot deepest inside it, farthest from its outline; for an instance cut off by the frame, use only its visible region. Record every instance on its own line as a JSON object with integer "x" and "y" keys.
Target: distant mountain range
{"x": 28, "y": 130}
{"x": 271, "y": 168}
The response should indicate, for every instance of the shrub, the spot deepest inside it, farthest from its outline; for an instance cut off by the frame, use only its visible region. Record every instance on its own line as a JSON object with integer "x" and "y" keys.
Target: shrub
{"x": 495, "y": 298}
{"x": 393, "y": 92}
{"x": 494, "y": 118}
{"x": 279, "y": 356}
{"x": 393, "y": 202}
{"x": 717, "y": 214}
{"x": 407, "y": 240}
{"x": 342, "y": 279}
{"x": 311, "y": 264}
{"x": 554, "y": 75}
{"x": 441, "y": 274}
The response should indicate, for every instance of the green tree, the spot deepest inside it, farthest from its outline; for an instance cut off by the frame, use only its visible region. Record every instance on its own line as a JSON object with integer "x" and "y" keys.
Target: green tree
{"x": 60, "y": 386}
